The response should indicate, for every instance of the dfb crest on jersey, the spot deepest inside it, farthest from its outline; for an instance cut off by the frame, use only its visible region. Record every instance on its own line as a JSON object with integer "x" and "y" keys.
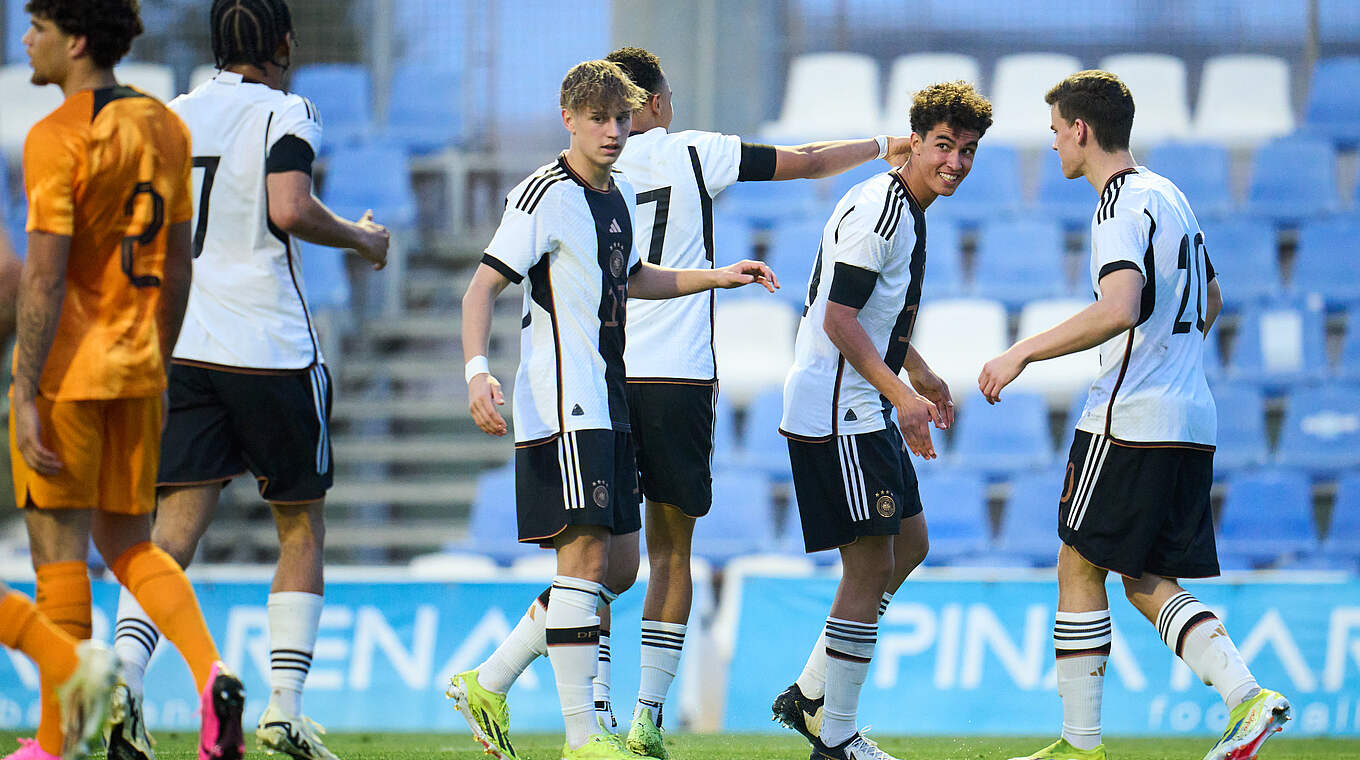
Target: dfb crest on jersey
{"x": 600, "y": 494}
{"x": 616, "y": 259}
{"x": 885, "y": 504}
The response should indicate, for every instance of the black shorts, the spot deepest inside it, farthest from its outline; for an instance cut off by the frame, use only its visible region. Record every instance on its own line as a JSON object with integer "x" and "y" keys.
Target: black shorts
{"x": 1137, "y": 510}
{"x": 673, "y": 436}
{"x": 585, "y": 477}
{"x": 851, "y": 486}
{"x": 274, "y": 424}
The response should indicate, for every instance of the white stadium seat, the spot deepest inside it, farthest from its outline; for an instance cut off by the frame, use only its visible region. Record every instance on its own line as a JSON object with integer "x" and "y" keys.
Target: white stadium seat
{"x": 828, "y": 96}
{"x": 154, "y": 79}
{"x": 1059, "y": 378}
{"x": 1243, "y": 100}
{"x": 25, "y": 104}
{"x": 454, "y": 566}
{"x": 1019, "y": 114}
{"x": 753, "y": 336}
{"x": 1157, "y": 83}
{"x": 912, "y": 72}
{"x": 956, "y": 337}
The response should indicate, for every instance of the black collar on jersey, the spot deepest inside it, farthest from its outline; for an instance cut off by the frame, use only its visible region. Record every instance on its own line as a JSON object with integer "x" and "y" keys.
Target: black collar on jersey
{"x": 562, "y": 161}
{"x": 911, "y": 198}
{"x": 1113, "y": 177}
{"x": 106, "y": 95}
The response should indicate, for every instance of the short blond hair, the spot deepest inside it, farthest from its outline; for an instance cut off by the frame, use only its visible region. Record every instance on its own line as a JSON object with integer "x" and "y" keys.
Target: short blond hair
{"x": 602, "y": 85}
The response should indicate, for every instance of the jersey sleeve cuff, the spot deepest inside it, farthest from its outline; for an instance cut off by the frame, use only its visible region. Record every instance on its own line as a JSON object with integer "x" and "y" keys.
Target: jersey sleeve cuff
{"x": 290, "y": 154}
{"x": 503, "y": 268}
{"x": 757, "y": 163}
{"x": 1209, "y": 272}
{"x": 636, "y": 266}
{"x": 851, "y": 285}
{"x": 1115, "y": 266}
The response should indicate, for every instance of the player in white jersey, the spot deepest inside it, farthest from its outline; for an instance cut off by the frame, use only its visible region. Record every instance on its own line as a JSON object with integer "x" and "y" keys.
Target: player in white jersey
{"x": 854, "y": 482}
{"x": 568, "y": 229}
{"x": 249, "y": 390}
{"x": 1136, "y": 496}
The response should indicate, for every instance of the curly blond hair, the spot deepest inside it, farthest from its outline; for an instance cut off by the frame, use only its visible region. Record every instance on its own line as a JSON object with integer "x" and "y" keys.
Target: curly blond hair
{"x": 601, "y": 85}
{"x": 954, "y": 103}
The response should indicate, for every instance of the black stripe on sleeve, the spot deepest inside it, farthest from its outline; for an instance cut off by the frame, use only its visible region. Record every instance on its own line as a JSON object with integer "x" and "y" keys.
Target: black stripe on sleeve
{"x": 290, "y": 154}
{"x": 1115, "y": 266}
{"x": 851, "y": 285}
{"x": 1209, "y": 273}
{"x": 757, "y": 163}
{"x": 636, "y": 266}
{"x": 502, "y": 267}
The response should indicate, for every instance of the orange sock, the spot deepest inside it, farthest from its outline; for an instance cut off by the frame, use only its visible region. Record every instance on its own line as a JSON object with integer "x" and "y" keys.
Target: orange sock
{"x": 159, "y": 585}
{"x": 64, "y": 598}
{"x": 24, "y": 628}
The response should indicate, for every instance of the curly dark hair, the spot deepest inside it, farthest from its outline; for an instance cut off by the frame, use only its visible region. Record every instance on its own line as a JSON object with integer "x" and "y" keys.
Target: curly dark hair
{"x": 249, "y": 31}
{"x": 642, "y": 66}
{"x": 954, "y": 103}
{"x": 108, "y": 26}
{"x": 1099, "y": 99}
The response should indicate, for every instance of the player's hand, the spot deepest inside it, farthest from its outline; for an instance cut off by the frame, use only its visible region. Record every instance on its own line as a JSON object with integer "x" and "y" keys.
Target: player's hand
{"x": 744, "y": 273}
{"x": 914, "y": 416}
{"x": 28, "y": 436}
{"x": 484, "y": 395}
{"x": 899, "y": 150}
{"x": 998, "y": 373}
{"x": 376, "y": 241}
{"x": 936, "y": 391}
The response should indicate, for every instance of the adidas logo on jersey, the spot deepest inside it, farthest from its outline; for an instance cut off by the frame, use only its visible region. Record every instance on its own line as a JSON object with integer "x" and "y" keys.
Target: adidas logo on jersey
{"x": 850, "y": 415}
{"x": 614, "y": 227}
{"x": 577, "y": 411}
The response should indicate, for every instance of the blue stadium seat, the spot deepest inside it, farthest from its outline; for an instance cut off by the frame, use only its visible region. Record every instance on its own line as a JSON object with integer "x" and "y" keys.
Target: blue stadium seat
{"x": 1019, "y": 260}
{"x": 732, "y": 240}
{"x": 1293, "y": 178}
{"x": 1213, "y": 357}
{"x": 1321, "y": 430}
{"x": 370, "y": 177}
{"x": 493, "y": 527}
{"x": 1071, "y": 202}
{"x": 1267, "y": 516}
{"x": 742, "y": 518}
{"x": 944, "y": 260}
{"x": 1241, "y": 428}
{"x": 342, "y": 92}
{"x": 424, "y": 108}
{"x": 1348, "y": 369}
{"x": 956, "y": 505}
{"x": 1334, "y": 101}
{"x": 762, "y": 446}
{"x": 1323, "y": 265}
{"x": 1243, "y": 250}
{"x": 792, "y": 252}
{"x": 1029, "y": 523}
{"x": 766, "y": 203}
{"x": 726, "y": 436}
{"x": 325, "y": 275}
{"x": 1343, "y": 534}
{"x": 1279, "y": 346}
{"x": 1009, "y": 437}
{"x": 1200, "y": 170}
{"x": 840, "y": 184}
{"x": 992, "y": 188}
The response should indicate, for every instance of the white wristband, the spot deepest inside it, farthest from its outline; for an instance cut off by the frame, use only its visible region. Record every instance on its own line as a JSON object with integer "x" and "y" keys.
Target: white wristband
{"x": 882, "y": 141}
{"x": 476, "y": 366}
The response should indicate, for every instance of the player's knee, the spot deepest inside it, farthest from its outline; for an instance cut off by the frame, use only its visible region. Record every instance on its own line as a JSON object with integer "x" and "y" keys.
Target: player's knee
{"x": 912, "y": 554}
{"x": 621, "y": 575}
{"x": 300, "y": 529}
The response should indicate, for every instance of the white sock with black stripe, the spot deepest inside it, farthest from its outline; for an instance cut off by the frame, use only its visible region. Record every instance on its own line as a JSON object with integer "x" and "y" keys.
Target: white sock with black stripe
{"x": 662, "y": 645}
{"x": 1081, "y": 641}
{"x": 526, "y": 643}
{"x": 604, "y": 705}
{"x": 812, "y": 681}
{"x": 572, "y": 634}
{"x": 849, "y": 649}
{"x": 134, "y": 640}
{"x": 1196, "y": 635}
{"x": 294, "y": 617}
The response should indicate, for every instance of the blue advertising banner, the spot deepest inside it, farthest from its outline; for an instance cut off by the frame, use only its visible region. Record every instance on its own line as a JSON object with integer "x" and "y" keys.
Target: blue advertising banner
{"x": 972, "y": 657}
{"x": 382, "y": 660}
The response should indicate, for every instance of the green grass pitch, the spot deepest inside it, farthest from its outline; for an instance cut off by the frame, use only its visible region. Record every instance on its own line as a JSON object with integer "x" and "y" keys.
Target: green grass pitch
{"x": 459, "y": 746}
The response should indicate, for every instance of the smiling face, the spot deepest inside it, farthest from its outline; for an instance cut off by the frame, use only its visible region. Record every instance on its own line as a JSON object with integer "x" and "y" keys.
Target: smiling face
{"x": 940, "y": 161}
{"x": 1067, "y": 140}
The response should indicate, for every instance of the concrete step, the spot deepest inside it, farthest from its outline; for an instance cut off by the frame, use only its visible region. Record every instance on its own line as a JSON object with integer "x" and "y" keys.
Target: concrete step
{"x": 421, "y": 449}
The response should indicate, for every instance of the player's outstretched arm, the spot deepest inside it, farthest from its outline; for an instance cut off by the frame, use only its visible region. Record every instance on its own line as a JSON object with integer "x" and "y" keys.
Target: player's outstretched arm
{"x": 484, "y": 390}
{"x": 930, "y": 385}
{"x": 651, "y": 282}
{"x": 914, "y": 412}
{"x": 295, "y": 210}
{"x": 825, "y": 159}
{"x": 1115, "y": 311}
{"x": 9, "y": 286}
{"x": 42, "y": 288}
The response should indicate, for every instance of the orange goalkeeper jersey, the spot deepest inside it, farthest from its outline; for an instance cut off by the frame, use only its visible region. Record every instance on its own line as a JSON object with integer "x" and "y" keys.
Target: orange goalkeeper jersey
{"x": 109, "y": 168}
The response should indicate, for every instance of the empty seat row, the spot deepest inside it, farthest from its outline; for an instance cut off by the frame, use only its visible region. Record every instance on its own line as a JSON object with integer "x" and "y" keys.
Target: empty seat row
{"x": 1243, "y": 99}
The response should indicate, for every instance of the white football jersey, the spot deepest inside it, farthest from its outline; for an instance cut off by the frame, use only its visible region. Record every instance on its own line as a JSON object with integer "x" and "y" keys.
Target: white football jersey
{"x": 247, "y": 306}
{"x": 676, "y": 177}
{"x": 1151, "y": 387}
{"x": 874, "y": 245}
{"x": 575, "y": 245}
